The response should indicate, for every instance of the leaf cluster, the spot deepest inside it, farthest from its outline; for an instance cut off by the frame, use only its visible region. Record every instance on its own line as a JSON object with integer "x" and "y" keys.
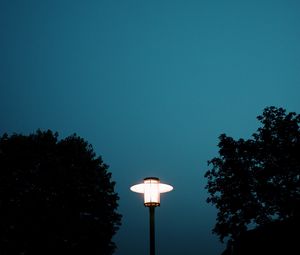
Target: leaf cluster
{"x": 56, "y": 197}
{"x": 256, "y": 181}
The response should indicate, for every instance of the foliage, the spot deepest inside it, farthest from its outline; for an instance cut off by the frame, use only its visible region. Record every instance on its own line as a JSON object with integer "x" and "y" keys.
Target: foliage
{"x": 256, "y": 181}
{"x": 56, "y": 197}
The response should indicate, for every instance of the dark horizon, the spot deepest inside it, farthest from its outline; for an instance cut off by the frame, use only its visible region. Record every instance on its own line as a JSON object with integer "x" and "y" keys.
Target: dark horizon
{"x": 151, "y": 85}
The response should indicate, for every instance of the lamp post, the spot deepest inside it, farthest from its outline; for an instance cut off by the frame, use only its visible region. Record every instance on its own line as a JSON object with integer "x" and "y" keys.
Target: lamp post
{"x": 151, "y": 188}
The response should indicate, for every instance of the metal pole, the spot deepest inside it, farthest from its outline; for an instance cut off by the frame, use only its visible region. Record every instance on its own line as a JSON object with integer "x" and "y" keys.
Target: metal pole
{"x": 152, "y": 230}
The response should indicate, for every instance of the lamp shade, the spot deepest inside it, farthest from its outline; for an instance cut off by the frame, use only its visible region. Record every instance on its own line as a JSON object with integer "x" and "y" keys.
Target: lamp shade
{"x": 151, "y": 188}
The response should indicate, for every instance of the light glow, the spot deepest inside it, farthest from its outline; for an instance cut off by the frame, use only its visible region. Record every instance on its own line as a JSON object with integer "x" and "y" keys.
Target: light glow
{"x": 151, "y": 188}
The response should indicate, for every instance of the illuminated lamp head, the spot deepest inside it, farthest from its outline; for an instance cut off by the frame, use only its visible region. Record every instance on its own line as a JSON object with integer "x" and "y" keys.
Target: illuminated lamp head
{"x": 151, "y": 188}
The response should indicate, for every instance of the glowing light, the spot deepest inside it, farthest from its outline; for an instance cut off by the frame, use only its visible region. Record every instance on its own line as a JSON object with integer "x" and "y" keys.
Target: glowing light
{"x": 151, "y": 188}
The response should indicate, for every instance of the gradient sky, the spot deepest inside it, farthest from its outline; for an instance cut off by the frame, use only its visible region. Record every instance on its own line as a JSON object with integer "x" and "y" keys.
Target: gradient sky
{"x": 151, "y": 85}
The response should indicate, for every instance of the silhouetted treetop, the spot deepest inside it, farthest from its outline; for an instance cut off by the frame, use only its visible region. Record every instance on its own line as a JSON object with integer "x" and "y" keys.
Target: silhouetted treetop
{"x": 257, "y": 181}
{"x": 56, "y": 197}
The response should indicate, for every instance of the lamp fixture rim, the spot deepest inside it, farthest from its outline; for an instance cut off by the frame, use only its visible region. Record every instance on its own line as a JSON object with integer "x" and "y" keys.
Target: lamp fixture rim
{"x": 140, "y": 188}
{"x": 151, "y": 178}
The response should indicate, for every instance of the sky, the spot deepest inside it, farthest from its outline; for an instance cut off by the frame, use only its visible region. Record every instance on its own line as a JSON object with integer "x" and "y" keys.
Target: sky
{"x": 151, "y": 85}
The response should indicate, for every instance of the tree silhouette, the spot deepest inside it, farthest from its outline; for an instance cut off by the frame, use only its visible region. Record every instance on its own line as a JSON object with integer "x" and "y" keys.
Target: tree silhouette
{"x": 255, "y": 182}
{"x": 56, "y": 197}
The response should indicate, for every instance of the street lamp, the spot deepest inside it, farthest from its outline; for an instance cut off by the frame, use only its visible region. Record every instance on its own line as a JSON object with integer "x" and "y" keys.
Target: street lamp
{"x": 151, "y": 188}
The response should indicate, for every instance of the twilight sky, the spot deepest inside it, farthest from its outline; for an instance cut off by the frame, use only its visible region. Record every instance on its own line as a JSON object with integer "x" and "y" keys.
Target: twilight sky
{"x": 151, "y": 85}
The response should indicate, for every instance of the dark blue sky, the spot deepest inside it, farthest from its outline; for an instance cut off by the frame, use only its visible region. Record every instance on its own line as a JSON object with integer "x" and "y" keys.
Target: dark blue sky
{"x": 151, "y": 84}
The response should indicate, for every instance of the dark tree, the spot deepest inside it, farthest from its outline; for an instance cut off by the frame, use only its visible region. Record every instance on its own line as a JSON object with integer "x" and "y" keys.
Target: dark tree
{"x": 56, "y": 197}
{"x": 255, "y": 182}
